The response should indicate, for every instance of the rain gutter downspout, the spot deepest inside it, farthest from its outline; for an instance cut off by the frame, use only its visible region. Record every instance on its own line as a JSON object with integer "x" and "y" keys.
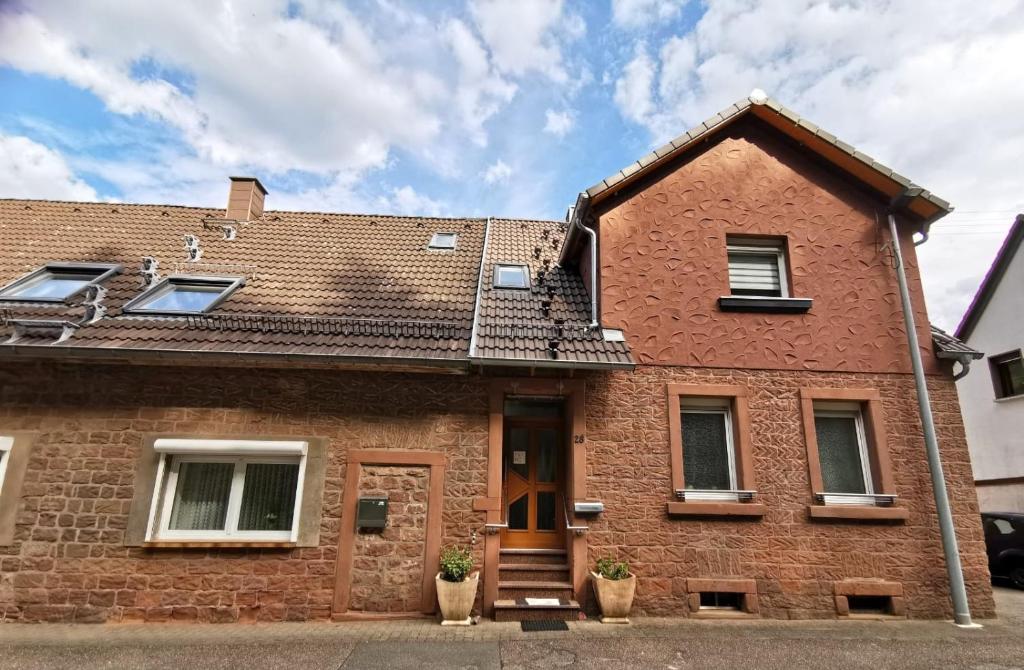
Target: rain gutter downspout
{"x": 957, "y": 591}
{"x": 479, "y": 290}
{"x": 582, "y": 205}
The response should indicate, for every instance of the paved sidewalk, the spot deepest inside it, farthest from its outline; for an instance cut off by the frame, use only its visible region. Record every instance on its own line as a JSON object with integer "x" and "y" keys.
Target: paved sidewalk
{"x": 673, "y": 644}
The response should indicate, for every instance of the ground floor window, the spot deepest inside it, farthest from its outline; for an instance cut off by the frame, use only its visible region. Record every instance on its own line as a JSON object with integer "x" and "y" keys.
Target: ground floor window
{"x": 842, "y": 449}
{"x": 215, "y": 490}
{"x": 709, "y": 456}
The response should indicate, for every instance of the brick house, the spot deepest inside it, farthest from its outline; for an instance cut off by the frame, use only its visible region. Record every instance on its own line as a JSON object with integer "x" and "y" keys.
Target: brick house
{"x": 703, "y": 371}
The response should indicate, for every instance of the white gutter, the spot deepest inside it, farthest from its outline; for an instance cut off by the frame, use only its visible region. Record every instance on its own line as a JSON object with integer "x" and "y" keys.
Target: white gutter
{"x": 479, "y": 289}
{"x": 582, "y": 205}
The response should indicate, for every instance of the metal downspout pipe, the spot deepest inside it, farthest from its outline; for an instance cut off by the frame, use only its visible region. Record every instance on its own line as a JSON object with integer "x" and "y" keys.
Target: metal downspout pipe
{"x": 595, "y": 323}
{"x": 957, "y": 591}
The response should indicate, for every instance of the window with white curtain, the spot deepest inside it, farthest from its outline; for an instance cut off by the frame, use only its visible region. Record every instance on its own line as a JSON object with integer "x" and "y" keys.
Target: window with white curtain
{"x": 709, "y": 456}
{"x": 757, "y": 267}
{"x": 228, "y": 490}
{"x": 843, "y": 452}
{"x": 6, "y": 444}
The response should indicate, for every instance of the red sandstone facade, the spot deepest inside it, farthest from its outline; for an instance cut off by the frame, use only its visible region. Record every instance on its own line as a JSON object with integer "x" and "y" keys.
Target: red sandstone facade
{"x": 436, "y": 444}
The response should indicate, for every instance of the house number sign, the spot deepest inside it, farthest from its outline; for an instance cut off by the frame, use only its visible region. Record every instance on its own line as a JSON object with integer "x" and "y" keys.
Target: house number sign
{"x": 518, "y": 458}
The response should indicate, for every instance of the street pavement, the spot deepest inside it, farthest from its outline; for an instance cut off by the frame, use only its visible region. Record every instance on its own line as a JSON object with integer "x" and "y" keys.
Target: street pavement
{"x": 671, "y": 644}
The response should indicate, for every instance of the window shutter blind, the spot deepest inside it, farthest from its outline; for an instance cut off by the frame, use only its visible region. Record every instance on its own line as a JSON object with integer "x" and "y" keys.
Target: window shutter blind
{"x": 754, "y": 273}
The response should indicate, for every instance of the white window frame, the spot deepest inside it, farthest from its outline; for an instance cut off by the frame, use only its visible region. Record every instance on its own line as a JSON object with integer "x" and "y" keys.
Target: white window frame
{"x": 174, "y": 452}
{"x": 521, "y": 267}
{"x": 138, "y": 305}
{"x": 856, "y": 412}
{"x": 774, "y": 248}
{"x": 6, "y": 445}
{"x": 436, "y": 237}
{"x": 711, "y": 406}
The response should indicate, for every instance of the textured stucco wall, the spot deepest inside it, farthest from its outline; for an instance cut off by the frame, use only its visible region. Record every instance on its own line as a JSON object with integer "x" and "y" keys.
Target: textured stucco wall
{"x": 663, "y": 263}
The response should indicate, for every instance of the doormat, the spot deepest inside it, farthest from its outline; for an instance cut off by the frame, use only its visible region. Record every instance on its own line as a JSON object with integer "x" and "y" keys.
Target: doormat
{"x": 535, "y": 626}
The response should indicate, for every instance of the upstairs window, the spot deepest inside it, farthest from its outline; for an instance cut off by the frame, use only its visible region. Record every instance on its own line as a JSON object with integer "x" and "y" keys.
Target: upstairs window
{"x": 757, "y": 267}
{"x": 184, "y": 295}
{"x": 443, "y": 240}
{"x": 1007, "y": 374}
{"x": 56, "y": 282}
{"x": 842, "y": 450}
{"x": 507, "y": 275}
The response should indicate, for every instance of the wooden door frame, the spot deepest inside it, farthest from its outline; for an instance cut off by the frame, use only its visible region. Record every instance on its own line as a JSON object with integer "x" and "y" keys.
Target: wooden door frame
{"x": 560, "y": 483}
{"x": 356, "y": 459}
{"x": 573, "y": 391}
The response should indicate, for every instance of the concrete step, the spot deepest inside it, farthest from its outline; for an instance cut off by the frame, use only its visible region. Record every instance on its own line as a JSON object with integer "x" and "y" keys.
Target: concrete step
{"x": 538, "y": 572}
{"x": 516, "y": 590}
{"x": 520, "y": 610}
{"x": 534, "y": 556}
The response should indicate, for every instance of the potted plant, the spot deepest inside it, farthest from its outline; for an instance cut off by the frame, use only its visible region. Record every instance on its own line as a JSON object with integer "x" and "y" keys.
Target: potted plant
{"x": 456, "y": 587}
{"x": 614, "y": 587}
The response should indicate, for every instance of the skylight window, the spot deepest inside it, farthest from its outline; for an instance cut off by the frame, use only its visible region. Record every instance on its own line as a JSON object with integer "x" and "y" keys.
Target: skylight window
{"x": 443, "y": 240}
{"x": 56, "y": 282}
{"x": 185, "y": 295}
{"x": 511, "y": 276}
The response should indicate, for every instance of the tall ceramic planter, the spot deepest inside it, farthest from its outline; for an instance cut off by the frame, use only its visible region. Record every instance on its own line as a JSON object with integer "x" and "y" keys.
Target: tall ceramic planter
{"x": 456, "y": 599}
{"x": 614, "y": 597}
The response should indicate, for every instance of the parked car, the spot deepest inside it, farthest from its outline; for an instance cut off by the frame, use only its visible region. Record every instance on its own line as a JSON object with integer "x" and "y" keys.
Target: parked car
{"x": 1004, "y": 540}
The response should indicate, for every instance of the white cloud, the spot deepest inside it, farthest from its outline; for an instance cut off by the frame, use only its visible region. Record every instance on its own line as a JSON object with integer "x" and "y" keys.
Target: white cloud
{"x": 524, "y": 35}
{"x": 31, "y": 170}
{"x": 481, "y": 92}
{"x": 406, "y": 200}
{"x": 558, "y": 123}
{"x": 633, "y": 14}
{"x": 935, "y": 95}
{"x": 498, "y": 173}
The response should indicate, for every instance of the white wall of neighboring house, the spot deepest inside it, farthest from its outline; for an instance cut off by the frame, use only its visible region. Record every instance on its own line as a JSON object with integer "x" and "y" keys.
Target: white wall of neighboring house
{"x": 995, "y": 427}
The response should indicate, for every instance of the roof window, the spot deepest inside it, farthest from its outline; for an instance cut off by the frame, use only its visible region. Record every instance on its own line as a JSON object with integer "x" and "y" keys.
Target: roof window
{"x": 507, "y": 275}
{"x": 56, "y": 282}
{"x": 185, "y": 295}
{"x": 443, "y": 240}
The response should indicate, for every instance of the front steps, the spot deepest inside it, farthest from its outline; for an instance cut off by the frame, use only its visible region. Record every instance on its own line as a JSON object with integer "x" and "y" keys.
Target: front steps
{"x": 534, "y": 573}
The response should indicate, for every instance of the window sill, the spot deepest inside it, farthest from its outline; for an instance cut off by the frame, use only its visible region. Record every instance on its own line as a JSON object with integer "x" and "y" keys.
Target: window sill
{"x": 219, "y": 544}
{"x": 727, "y": 509}
{"x": 749, "y": 303}
{"x": 1010, "y": 398}
{"x": 858, "y": 512}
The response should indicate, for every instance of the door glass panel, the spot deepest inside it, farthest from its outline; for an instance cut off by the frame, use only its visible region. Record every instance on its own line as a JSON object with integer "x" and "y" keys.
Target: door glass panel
{"x": 839, "y": 454}
{"x": 545, "y": 510}
{"x": 518, "y": 514}
{"x": 534, "y": 407}
{"x": 519, "y": 451}
{"x": 705, "y": 451}
{"x": 547, "y": 455}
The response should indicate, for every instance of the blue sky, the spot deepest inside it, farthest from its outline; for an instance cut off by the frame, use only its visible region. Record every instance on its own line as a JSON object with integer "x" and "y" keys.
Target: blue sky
{"x": 499, "y": 107}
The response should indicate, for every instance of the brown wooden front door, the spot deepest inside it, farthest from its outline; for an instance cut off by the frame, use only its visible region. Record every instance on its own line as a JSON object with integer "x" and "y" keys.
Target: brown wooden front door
{"x": 533, "y": 485}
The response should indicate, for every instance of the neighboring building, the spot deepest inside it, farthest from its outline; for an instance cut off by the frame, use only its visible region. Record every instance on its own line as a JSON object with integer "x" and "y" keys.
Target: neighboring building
{"x": 992, "y": 401}
{"x": 203, "y": 409}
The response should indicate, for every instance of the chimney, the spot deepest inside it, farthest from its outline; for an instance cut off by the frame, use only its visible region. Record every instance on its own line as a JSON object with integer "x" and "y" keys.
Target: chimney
{"x": 245, "y": 201}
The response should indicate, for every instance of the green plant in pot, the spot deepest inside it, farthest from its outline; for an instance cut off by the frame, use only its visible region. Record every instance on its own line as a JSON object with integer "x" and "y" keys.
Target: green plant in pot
{"x": 456, "y": 586}
{"x": 614, "y": 587}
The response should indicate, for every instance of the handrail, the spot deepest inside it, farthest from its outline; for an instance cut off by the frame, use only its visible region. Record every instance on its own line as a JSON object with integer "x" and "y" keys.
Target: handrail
{"x": 579, "y": 530}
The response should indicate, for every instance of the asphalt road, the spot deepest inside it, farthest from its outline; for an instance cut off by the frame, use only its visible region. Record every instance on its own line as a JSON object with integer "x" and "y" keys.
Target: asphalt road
{"x": 675, "y": 646}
